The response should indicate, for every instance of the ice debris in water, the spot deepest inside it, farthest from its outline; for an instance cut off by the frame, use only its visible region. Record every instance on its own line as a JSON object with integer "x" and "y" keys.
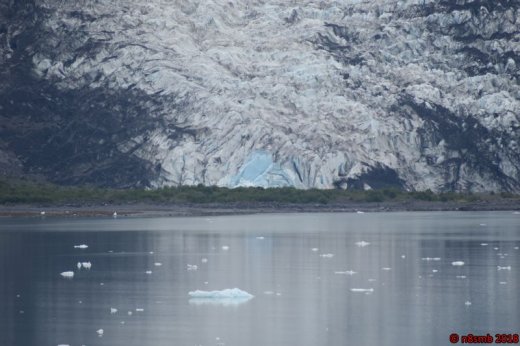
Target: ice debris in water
{"x": 503, "y": 268}
{"x": 260, "y": 238}
{"x": 82, "y": 246}
{"x": 67, "y": 274}
{"x": 204, "y": 260}
{"x": 457, "y": 263}
{"x": 516, "y": 248}
{"x": 149, "y": 272}
{"x": 461, "y": 276}
{"x": 503, "y": 282}
{"x": 362, "y": 290}
{"x": 115, "y": 214}
{"x": 327, "y": 255}
{"x": 139, "y": 310}
{"x": 191, "y": 267}
{"x": 347, "y": 272}
{"x": 362, "y": 243}
{"x": 42, "y": 213}
{"x": 226, "y": 293}
{"x": 386, "y": 268}
{"x": 314, "y": 249}
{"x": 113, "y": 310}
{"x": 484, "y": 244}
{"x": 79, "y": 265}
{"x": 157, "y": 264}
{"x": 360, "y": 212}
{"x": 467, "y": 303}
{"x": 100, "y": 332}
{"x": 86, "y": 265}
{"x": 431, "y": 259}
{"x": 482, "y": 224}
{"x": 225, "y": 247}
{"x": 403, "y": 256}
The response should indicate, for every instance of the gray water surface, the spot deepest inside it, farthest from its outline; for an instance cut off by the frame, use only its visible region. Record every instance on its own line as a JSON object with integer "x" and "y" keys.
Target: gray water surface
{"x": 299, "y": 297}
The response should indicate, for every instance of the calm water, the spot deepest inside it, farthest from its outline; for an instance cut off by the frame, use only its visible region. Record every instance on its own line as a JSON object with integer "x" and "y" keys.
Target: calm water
{"x": 299, "y": 299}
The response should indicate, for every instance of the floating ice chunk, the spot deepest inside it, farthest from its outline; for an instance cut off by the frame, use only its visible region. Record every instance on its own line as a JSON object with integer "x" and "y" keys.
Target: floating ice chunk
{"x": 260, "y": 238}
{"x": 100, "y": 332}
{"x": 42, "y": 213}
{"x": 192, "y": 267}
{"x": 82, "y": 246}
{"x": 484, "y": 244}
{"x": 327, "y": 255}
{"x": 467, "y": 303}
{"x": 227, "y": 297}
{"x": 115, "y": 214}
{"x": 431, "y": 259}
{"x": 68, "y": 274}
{"x": 457, "y": 263}
{"x": 347, "y": 272}
{"x": 371, "y": 280}
{"x": 503, "y": 282}
{"x": 268, "y": 293}
{"x": 86, "y": 265}
{"x": 78, "y": 265}
{"x": 360, "y": 212}
{"x": 482, "y": 225}
{"x": 278, "y": 294}
{"x": 516, "y": 212}
{"x": 113, "y": 310}
{"x": 139, "y": 310}
{"x": 516, "y": 248}
{"x": 386, "y": 268}
{"x": 503, "y": 268}
{"x": 226, "y": 293}
{"x": 225, "y": 247}
{"x": 403, "y": 256}
{"x": 495, "y": 248}
{"x": 130, "y": 313}
{"x": 362, "y": 290}
{"x": 157, "y": 264}
{"x": 63, "y": 345}
{"x": 149, "y": 272}
{"x": 204, "y": 260}
{"x": 101, "y": 284}
{"x": 314, "y": 249}
{"x": 434, "y": 270}
{"x": 362, "y": 243}
{"x": 461, "y": 276}
{"x": 151, "y": 252}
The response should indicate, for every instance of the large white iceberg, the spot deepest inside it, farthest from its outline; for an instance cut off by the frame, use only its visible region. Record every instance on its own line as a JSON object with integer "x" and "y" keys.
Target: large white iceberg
{"x": 227, "y": 293}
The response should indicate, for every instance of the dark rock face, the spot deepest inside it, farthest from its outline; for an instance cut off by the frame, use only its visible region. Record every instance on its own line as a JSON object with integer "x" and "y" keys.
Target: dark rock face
{"x": 121, "y": 93}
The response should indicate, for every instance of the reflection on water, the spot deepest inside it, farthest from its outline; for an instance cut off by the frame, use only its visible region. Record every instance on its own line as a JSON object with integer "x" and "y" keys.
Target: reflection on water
{"x": 313, "y": 284}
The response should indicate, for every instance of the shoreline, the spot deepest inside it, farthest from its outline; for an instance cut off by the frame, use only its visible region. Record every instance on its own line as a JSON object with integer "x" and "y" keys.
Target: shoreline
{"x": 215, "y": 209}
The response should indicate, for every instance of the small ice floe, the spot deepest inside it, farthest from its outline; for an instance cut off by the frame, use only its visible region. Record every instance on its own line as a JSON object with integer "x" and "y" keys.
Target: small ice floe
{"x": 113, "y": 310}
{"x": 278, "y": 294}
{"x": 80, "y": 302}
{"x": 157, "y": 264}
{"x": 431, "y": 259}
{"x": 42, "y": 213}
{"x": 403, "y": 256}
{"x": 151, "y": 252}
{"x": 484, "y": 244}
{"x": 483, "y": 225}
{"x": 78, "y": 265}
{"x": 386, "y": 268}
{"x": 63, "y": 345}
{"x": 17, "y": 296}
{"x": 115, "y": 214}
{"x": 67, "y": 274}
{"x": 101, "y": 284}
{"x": 100, "y": 332}
{"x": 206, "y": 282}
{"x": 314, "y": 249}
{"x": 148, "y": 272}
{"x": 435, "y": 271}
{"x": 86, "y": 265}
{"x": 122, "y": 322}
{"x": 495, "y": 248}
{"x": 21, "y": 312}
{"x": 327, "y": 255}
{"x": 362, "y": 243}
{"x": 457, "y": 263}
{"x": 516, "y": 248}
{"x": 204, "y": 260}
{"x": 191, "y": 267}
{"x": 467, "y": 303}
{"x": 461, "y": 276}
{"x": 260, "y": 238}
{"x": 139, "y": 309}
{"x": 225, "y": 247}
{"x": 82, "y": 246}
{"x": 516, "y": 212}
{"x": 503, "y": 268}
{"x": 347, "y": 272}
{"x": 503, "y": 282}
{"x": 372, "y": 280}
{"x": 268, "y": 293}
{"x": 362, "y": 290}
{"x": 226, "y": 297}
{"x": 129, "y": 313}
{"x": 360, "y": 212}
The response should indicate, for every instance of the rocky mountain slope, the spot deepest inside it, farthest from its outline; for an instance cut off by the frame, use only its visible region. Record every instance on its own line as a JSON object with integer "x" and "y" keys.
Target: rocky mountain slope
{"x": 415, "y": 94}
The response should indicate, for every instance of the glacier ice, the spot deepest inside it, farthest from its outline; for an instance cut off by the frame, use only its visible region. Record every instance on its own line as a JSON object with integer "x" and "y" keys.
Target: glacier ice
{"x": 457, "y": 263}
{"x": 225, "y": 293}
{"x": 68, "y": 274}
{"x": 82, "y": 246}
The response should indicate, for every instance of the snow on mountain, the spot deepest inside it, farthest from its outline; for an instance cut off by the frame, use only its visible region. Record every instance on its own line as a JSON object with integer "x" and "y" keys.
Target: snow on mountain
{"x": 353, "y": 94}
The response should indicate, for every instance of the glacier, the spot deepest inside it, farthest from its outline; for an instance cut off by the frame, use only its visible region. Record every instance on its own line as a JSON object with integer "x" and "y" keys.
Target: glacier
{"x": 349, "y": 94}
